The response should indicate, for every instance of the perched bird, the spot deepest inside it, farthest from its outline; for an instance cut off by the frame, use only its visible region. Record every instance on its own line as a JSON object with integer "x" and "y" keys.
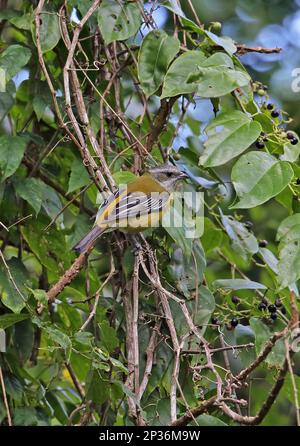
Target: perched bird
{"x": 137, "y": 206}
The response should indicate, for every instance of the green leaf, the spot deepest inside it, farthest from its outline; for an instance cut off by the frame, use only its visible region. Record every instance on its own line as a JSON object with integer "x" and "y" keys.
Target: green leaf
{"x": 79, "y": 176}
{"x": 257, "y": 177}
{"x": 209, "y": 420}
{"x": 23, "y": 21}
{"x": 12, "y": 149}
{"x": 289, "y": 258}
{"x": 291, "y": 152}
{"x": 118, "y": 20}
{"x": 187, "y": 272}
{"x": 40, "y": 296}
{"x": 124, "y": 177}
{"x": 229, "y": 135}
{"x": 49, "y": 30}
{"x": 155, "y": 55}
{"x": 108, "y": 336}
{"x": 31, "y": 190}
{"x": 170, "y": 221}
{"x": 238, "y": 284}
{"x": 10, "y": 319}
{"x": 202, "y": 311}
{"x": 207, "y": 77}
{"x": 13, "y": 59}
{"x": 97, "y": 389}
{"x": 23, "y": 338}
{"x": 289, "y": 250}
{"x": 59, "y": 337}
{"x": 176, "y": 79}
{"x": 14, "y": 295}
{"x": 6, "y": 102}
{"x": 51, "y": 203}
{"x": 243, "y": 241}
{"x": 48, "y": 246}
{"x": 262, "y": 336}
{"x": 41, "y": 106}
{"x": 25, "y": 416}
{"x": 286, "y": 225}
{"x": 217, "y": 76}
{"x": 212, "y": 237}
{"x": 225, "y": 42}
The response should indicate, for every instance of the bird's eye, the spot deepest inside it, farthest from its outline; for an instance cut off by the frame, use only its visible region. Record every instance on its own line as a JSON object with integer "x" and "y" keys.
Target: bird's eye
{"x": 169, "y": 174}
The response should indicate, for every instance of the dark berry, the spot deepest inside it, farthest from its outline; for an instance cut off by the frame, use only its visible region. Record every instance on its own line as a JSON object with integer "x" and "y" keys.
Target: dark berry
{"x": 294, "y": 141}
{"x": 298, "y": 181}
{"x": 290, "y": 135}
{"x": 278, "y": 302}
{"x": 235, "y": 300}
{"x": 263, "y": 243}
{"x": 260, "y": 144}
{"x": 214, "y": 320}
{"x": 234, "y": 322}
{"x": 275, "y": 113}
{"x": 262, "y": 306}
{"x": 270, "y": 106}
{"x": 272, "y": 308}
{"x": 273, "y": 316}
{"x": 283, "y": 310}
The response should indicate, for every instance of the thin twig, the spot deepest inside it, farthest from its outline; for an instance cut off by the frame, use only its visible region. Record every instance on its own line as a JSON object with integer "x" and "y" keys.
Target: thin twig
{"x": 9, "y": 420}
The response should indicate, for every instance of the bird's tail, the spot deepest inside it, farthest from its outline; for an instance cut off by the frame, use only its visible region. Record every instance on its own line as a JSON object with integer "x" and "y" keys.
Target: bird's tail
{"x": 88, "y": 240}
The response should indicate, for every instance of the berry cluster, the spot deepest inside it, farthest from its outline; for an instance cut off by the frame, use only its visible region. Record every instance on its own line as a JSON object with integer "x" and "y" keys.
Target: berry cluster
{"x": 272, "y": 308}
{"x": 290, "y": 136}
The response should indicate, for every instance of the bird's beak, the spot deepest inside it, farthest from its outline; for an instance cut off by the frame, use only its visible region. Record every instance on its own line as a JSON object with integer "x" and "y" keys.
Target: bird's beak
{"x": 183, "y": 175}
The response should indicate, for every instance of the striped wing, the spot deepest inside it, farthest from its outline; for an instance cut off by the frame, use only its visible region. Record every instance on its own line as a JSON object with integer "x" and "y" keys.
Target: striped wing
{"x": 132, "y": 205}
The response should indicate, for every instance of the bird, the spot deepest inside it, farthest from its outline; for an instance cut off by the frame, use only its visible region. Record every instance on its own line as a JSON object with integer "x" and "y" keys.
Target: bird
{"x": 137, "y": 206}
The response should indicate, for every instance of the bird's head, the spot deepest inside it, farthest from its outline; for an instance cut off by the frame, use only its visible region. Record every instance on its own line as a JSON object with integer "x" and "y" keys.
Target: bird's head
{"x": 167, "y": 175}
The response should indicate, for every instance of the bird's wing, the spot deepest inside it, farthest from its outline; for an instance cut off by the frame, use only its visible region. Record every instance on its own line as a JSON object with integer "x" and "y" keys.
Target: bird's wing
{"x": 135, "y": 204}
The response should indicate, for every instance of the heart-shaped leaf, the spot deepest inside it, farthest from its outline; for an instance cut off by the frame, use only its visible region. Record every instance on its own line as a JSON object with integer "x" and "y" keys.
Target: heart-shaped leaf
{"x": 229, "y": 134}
{"x": 257, "y": 177}
{"x": 118, "y": 20}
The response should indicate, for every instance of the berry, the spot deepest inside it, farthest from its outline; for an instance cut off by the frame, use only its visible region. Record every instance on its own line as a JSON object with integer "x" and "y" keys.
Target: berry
{"x": 283, "y": 310}
{"x": 216, "y": 26}
{"x": 278, "y": 302}
{"x": 214, "y": 320}
{"x": 273, "y": 316}
{"x": 177, "y": 156}
{"x": 270, "y": 106}
{"x": 272, "y": 308}
{"x": 294, "y": 141}
{"x": 235, "y": 300}
{"x": 261, "y": 92}
{"x": 290, "y": 135}
{"x": 260, "y": 144}
{"x": 275, "y": 113}
{"x": 262, "y": 306}
{"x": 263, "y": 243}
{"x": 234, "y": 322}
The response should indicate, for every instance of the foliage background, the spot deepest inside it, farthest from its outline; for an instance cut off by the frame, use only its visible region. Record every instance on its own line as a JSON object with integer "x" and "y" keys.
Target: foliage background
{"x": 54, "y": 372}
